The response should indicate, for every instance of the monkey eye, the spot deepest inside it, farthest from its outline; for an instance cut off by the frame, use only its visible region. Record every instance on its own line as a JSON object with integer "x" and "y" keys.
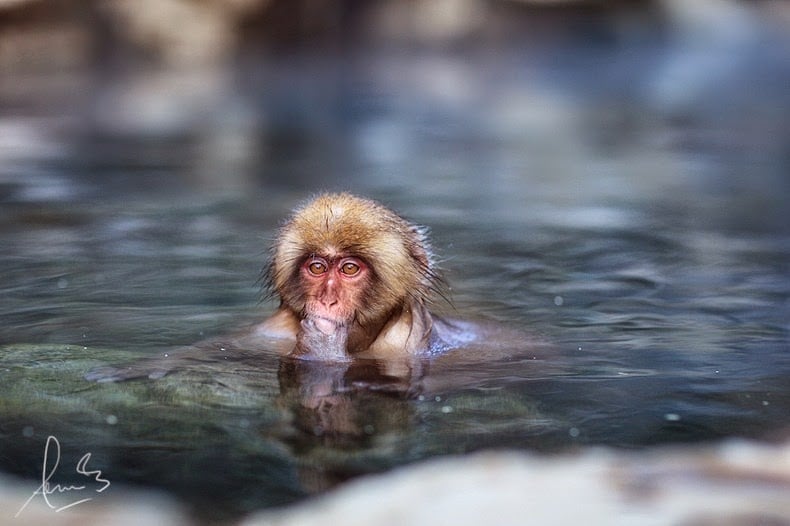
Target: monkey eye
{"x": 349, "y": 269}
{"x": 316, "y": 268}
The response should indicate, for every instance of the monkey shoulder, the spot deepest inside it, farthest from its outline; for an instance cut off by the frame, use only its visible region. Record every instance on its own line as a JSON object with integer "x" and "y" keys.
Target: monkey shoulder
{"x": 282, "y": 325}
{"x": 448, "y": 334}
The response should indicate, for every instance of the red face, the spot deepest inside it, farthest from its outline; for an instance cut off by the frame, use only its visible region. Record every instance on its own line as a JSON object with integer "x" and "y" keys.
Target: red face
{"x": 334, "y": 287}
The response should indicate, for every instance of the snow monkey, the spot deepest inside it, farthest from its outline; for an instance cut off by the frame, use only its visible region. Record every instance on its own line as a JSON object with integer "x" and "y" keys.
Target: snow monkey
{"x": 354, "y": 279}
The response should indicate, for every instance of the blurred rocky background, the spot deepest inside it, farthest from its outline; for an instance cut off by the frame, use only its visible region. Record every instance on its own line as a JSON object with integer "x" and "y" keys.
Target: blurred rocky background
{"x": 238, "y": 81}
{"x": 71, "y": 35}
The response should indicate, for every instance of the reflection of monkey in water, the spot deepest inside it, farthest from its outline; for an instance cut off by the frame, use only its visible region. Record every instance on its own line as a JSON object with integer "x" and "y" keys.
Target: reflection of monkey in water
{"x": 354, "y": 280}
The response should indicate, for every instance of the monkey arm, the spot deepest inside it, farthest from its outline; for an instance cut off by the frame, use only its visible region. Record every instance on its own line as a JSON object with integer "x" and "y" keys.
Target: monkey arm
{"x": 406, "y": 334}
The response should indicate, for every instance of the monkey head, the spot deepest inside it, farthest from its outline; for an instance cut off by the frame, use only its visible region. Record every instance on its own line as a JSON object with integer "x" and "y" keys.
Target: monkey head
{"x": 349, "y": 264}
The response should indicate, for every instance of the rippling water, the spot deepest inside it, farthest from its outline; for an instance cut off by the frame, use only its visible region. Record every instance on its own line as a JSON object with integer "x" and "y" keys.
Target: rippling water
{"x": 658, "y": 287}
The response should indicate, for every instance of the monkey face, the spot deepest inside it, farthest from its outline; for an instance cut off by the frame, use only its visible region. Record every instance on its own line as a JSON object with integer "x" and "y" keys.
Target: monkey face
{"x": 333, "y": 289}
{"x": 350, "y": 272}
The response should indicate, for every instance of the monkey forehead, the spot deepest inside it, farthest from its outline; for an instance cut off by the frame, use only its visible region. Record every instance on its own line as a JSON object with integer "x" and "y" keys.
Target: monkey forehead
{"x": 332, "y": 225}
{"x": 338, "y": 228}
{"x": 347, "y": 213}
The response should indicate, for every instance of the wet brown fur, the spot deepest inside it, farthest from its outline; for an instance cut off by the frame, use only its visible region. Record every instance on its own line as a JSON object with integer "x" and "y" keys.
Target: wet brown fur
{"x": 404, "y": 275}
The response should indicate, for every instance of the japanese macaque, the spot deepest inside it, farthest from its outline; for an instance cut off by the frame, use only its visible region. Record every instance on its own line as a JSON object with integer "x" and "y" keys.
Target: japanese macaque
{"x": 354, "y": 280}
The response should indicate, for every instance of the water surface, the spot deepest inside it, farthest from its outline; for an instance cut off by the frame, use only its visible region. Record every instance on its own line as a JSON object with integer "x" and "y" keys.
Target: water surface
{"x": 650, "y": 283}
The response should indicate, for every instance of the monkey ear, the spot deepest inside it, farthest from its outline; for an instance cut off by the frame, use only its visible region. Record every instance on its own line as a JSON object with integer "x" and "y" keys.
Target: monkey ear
{"x": 266, "y": 284}
{"x": 421, "y": 250}
{"x": 431, "y": 280}
{"x": 267, "y": 281}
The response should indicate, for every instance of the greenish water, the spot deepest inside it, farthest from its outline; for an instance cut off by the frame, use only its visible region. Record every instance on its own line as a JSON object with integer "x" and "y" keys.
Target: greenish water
{"x": 655, "y": 280}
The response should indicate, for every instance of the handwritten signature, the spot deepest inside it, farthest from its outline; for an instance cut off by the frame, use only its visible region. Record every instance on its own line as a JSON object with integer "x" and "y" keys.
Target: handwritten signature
{"x": 52, "y": 449}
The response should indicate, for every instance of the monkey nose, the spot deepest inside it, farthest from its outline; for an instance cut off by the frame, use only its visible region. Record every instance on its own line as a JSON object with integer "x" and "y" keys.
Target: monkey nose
{"x": 329, "y": 302}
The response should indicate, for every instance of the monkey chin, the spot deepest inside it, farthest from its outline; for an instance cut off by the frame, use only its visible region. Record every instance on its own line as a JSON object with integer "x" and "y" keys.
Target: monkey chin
{"x": 322, "y": 339}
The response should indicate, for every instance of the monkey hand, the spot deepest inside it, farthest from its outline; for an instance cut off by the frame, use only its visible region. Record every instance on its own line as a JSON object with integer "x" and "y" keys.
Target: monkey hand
{"x": 322, "y": 339}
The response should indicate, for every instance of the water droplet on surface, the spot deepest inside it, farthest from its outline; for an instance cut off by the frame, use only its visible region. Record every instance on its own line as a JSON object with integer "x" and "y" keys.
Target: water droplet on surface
{"x": 558, "y": 301}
